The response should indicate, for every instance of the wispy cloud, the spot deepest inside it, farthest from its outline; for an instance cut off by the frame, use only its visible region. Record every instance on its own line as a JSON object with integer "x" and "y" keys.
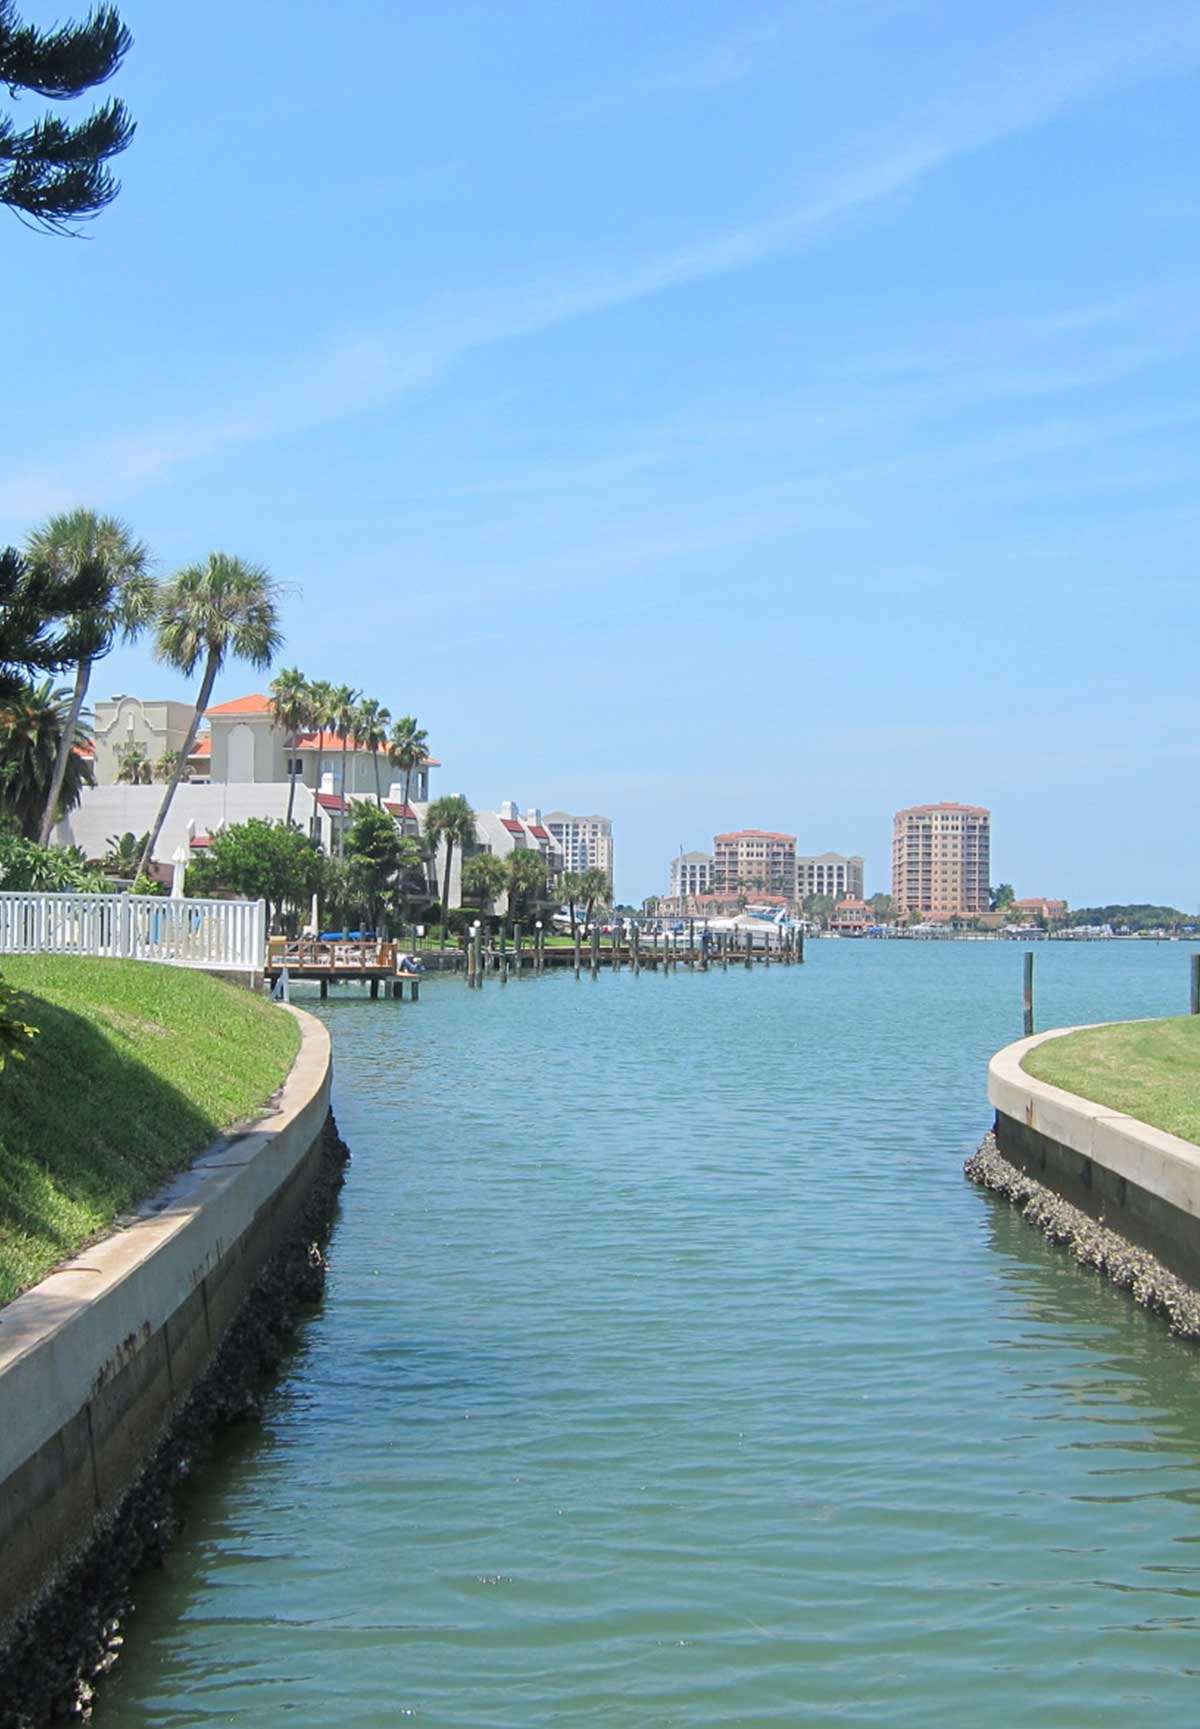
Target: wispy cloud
{"x": 1025, "y": 92}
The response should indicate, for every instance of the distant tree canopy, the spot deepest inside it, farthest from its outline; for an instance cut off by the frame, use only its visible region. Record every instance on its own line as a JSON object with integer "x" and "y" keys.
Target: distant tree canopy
{"x": 1002, "y": 897}
{"x": 1139, "y": 917}
{"x": 53, "y": 172}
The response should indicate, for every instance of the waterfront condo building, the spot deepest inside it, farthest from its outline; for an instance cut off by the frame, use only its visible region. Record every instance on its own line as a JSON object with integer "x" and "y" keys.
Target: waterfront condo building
{"x": 755, "y": 861}
{"x": 585, "y": 842}
{"x": 941, "y": 859}
{"x": 830, "y": 873}
{"x": 691, "y": 875}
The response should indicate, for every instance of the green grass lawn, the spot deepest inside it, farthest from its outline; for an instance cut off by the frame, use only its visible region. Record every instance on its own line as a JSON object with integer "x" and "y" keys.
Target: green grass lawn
{"x": 136, "y": 1068}
{"x": 1148, "y": 1069}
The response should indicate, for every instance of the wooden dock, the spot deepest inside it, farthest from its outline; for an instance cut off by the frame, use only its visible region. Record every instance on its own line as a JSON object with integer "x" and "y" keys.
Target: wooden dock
{"x": 695, "y": 949}
{"x": 335, "y": 962}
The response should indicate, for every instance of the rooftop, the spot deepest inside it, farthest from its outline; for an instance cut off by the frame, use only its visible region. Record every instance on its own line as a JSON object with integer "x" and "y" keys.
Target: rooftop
{"x": 753, "y": 834}
{"x": 256, "y": 704}
{"x": 928, "y": 809}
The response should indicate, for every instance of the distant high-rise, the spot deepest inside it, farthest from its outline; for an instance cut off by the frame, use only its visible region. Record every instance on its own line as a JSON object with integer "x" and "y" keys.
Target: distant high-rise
{"x": 586, "y": 841}
{"x": 830, "y": 873}
{"x": 754, "y": 861}
{"x": 691, "y": 874}
{"x": 941, "y": 859}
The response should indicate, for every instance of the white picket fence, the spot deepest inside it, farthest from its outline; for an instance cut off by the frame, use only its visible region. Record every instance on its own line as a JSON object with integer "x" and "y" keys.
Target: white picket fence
{"x": 221, "y": 935}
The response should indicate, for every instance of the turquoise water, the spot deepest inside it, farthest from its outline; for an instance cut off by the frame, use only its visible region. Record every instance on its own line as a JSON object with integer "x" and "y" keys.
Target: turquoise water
{"x": 671, "y": 1374}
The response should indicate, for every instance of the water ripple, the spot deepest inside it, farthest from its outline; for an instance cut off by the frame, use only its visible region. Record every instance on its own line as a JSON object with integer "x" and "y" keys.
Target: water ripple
{"x": 671, "y": 1375}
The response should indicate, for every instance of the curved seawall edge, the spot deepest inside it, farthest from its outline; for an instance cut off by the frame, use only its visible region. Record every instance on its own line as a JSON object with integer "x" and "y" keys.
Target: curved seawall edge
{"x": 99, "y": 1361}
{"x": 1123, "y": 1194}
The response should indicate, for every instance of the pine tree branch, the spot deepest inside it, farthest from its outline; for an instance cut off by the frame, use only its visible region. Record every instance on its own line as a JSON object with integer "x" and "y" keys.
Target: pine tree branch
{"x": 64, "y": 62}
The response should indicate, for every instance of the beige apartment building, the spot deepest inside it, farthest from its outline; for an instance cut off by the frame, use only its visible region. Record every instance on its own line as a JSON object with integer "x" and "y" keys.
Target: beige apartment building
{"x": 941, "y": 859}
{"x": 586, "y": 842}
{"x": 755, "y": 861}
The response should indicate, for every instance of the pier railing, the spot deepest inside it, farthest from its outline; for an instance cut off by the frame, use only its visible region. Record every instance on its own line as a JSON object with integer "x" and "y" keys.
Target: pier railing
{"x": 217, "y": 934}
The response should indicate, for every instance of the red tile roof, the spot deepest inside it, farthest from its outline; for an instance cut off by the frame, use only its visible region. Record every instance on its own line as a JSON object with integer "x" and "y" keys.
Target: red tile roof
{"x": 257, "y": 704}
{"x": 512, "y": 825}
{"x": 331, "y": 801}
{"x": 201, "y": 840}
{"x": 540, "y": 832}
{"x": 85, "y": 749}
{"x": 331, "y": 741}
{"x": 404, "y": 811}
{"x": 927, "y": 809}
{"x": 754, "y": 834}
{"x": 203, "y": 745}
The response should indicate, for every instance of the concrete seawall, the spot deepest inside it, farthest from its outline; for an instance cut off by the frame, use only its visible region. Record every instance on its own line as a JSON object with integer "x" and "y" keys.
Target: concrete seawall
{"x": 97, "y": 1362}
{"x": 1123, "y": 1195}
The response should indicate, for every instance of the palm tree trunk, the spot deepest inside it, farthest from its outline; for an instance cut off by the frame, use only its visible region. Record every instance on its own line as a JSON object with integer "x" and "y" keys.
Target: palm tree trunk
{"x": 378, "y": 793}
{"x": 292, "y": 779}
{"x": 571, "y": 907}
{"x": 316, "y": 816}
{"x": 404, "y": 818}
{"x": 65, "y": 746}
{"x": 202, "y": 702}
{"x": 345, "y": 812}
{"x": 446, "y": 887}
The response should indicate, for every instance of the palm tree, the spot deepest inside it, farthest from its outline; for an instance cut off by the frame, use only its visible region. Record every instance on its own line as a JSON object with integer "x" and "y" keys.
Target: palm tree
{"x": 133, "y": 766}
{"x": 526, "y": 879}
{"x": 483, "y": 878}
{"x": 292, "y": 706}
{"x": 407, "y": 749}
{"x": 32, "y": 728}
{"x": 164, "y": 768}
{"x": 69, "y": 544}
{"x": 373, "y": 723}
{"x": 343, "y": 706}
{"x": 593, "y": 886}
{"x": 450, "y": 820}
{"x": 570, "y": 885}
{"x": 210, "y": 611}
{"x": 320, "y": 693}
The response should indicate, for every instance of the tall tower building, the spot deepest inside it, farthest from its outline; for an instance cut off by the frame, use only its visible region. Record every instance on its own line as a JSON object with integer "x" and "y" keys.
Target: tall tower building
{"x": 755, "y": 861}
{"x": 941, "y": 859}
{"x": 586, "y": 842}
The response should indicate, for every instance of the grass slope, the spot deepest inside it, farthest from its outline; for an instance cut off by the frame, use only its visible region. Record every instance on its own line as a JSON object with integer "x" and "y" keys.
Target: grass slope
{"x": 1148, "y": 1069}
{"x": 136, "y": 1068}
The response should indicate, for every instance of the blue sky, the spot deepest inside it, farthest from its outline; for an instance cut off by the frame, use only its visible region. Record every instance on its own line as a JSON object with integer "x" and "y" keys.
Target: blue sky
{"x": 709, "y": 415}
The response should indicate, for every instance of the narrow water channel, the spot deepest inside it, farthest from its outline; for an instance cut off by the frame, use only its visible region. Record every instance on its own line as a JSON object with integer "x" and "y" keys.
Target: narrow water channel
{"x": 671, "y": 1374}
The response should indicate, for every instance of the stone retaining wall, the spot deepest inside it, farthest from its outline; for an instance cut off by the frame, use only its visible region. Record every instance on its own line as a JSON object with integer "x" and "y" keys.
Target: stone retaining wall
{"x": 99, "y": 1358}
{"x": 1137, "y": 1181}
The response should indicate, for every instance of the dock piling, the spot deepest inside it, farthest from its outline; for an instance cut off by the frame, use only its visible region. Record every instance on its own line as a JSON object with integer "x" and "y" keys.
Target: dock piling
{"x": 1028, "y": 993}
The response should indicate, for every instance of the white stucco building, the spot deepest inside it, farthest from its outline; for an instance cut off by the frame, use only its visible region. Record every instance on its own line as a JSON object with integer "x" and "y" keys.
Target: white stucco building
{"x": 691, "y": 875}
{"x": 830, "y": 873}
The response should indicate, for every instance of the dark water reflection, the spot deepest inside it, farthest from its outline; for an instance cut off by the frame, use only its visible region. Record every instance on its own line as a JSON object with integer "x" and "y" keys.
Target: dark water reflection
{"x": 671, "y": 1374}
